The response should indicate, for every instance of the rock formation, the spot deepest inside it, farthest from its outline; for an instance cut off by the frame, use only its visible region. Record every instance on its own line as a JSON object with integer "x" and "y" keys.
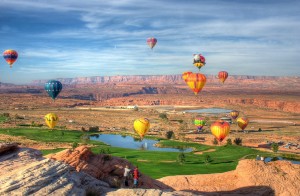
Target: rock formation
{"x": 278, "y": 177}
{"x": 103, "y": 167}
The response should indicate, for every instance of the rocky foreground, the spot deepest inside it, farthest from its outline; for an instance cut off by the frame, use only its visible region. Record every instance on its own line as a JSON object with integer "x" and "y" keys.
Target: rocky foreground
{"x": 24, "y": 171}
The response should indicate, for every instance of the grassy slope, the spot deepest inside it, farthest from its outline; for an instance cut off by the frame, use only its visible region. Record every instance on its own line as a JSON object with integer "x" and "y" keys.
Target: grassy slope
{"x": 151, "y": 163}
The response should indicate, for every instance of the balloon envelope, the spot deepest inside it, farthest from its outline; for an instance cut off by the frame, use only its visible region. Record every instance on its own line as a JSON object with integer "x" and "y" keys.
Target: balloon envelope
{"x": 151, "y": 42}
{"x": 53, "y": 88}
{"x": 141, "y": 126}
{"x": 185, "y": 75}
{"x": 199, "y": 122}
{"x": 242, "y": 122}
{"x": 199, "y": 60}
{"x": 10, "y": 56}
{"x": 223, "y": 75}
{"x": 51, "y": 119}
{"x": 220, "y": 129}
{"x": 196, "y": 81}
{"x": 234, "y": 114}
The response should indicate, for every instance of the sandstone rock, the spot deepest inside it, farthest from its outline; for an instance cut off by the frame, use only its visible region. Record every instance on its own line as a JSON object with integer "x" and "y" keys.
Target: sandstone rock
{"x": 4, "y": 147}
{"x": 250, "y": 177}
{"x": 103, "y": 167}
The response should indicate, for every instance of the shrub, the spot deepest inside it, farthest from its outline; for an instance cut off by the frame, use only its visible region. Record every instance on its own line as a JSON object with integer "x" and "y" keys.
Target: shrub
{"x": 169, "y": 134}
{"x": 238, "y": 141}
{"x": 163, "y": 116}
{"x": 74, "y": 145}
{"x": 275, "y": 147}
{"x": 83, "y": 129}
{"x": 96, "y": 128}
{"x": 181, "y": 158}
{"x": 85, "y": 138}
{"x": 215, "y": 141}
{"x": 228, "y": 142}
{"x": 106, "y": 157}
{"x": 259, "y": 130}
{"x": 6, "y": 115}
{"x": 180, "y": 121}
{"x": 207, "y": 159}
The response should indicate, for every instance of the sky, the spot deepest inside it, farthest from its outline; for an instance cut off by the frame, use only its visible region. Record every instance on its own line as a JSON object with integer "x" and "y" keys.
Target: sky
{"x": 68, "y": 38}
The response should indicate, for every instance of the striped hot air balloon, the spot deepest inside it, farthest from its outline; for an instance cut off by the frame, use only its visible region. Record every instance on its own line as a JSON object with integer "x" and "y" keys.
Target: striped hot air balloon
{"x": 199, "y": 123}
{"x": 234, "y": 114}
{"x": 242, "y": 122}
{"x": 223, "y": 75}
{"x": 196, "y": 81}
{"x": 10, "y": 56}
{"x": 151, "y": 42}
{"x": 220, "y": 129}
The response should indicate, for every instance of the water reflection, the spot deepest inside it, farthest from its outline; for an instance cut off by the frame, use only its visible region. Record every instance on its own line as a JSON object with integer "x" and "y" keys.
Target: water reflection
{"x": 134, "y": 143}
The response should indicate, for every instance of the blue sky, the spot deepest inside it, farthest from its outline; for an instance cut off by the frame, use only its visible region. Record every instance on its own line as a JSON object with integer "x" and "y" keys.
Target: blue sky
{"x": 65, "y": 38}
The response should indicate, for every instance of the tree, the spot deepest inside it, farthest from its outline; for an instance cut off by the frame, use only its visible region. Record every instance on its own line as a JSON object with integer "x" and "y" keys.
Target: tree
{"x": 207, "y": 159}
{"x": 238, "y": 141}
{"x": 275, "y": 146}
{"x": 229, "y": 142}
{"x": 74, "y": 145}
{"x": 163, "y": 116}
{"x": 215, "y": 141}
{"x": 181, "y": 158}
{"x": 169, "y": 134}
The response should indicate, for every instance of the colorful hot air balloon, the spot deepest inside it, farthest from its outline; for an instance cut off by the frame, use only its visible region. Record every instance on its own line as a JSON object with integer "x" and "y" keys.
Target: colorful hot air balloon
{"x": 196, "y": 81}
{"x": 242, "y": 122}
{"x": 10, "y": 56}
{"x": 151, "y": 42}
{"x": 141, "y": 126}
{"x": 51, "y": 119}
{"x": 234, "y": 114}
{"x": 220, "y": 129}
{"x": 199, "y": 122}
{"x": 199, "y": 61}
{"x": 53, "y": 88}
{"x": 223, "y": 76}
{"x": 185, "y": 75}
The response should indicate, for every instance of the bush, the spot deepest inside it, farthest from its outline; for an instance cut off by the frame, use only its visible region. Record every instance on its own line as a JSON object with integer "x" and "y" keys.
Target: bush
{"x": 6, "y": 115}
{"x": 85, "y": 138}
{"x": 215, "y": 141}
{"x": 169, "y": 134}
{"x": 275, "y": 147}
{"x": 180, "y": 121}
{"x": 181, "y": 158}
{"x": 238, "y": 141}
{"x": 96, "y": 128}
{"x": 207, "y": 159}
{"x": 163, "y": 116}
{"x": 228, "y": 142}
{"x": 107, "y": 157}
{"x": 83, "y": 129}
{"x": 259, "y": 130}
{"x": 74, "y": 145}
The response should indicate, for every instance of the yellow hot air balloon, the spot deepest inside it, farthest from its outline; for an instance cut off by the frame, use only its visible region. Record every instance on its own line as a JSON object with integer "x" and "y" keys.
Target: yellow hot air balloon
{"x": 195, "y": 81}
{"x": 141, "y": 126}
{"x": 51, "y": 119}
{"x": 242, "y": 122}
{"x": 220, "y": 129}
{"x": 185, "y": 75}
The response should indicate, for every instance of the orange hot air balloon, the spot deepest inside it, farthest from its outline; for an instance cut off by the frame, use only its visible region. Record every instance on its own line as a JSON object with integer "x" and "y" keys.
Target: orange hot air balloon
{"x": 196, "y": 81}
{"x": 242, "y": 122}
{"x": 234, "y": 114}
{"x": 185, "y": 75}
{"x": 223, "y": 75}
{"x": 10, "y": 56}
{"x": 220, "y": 129}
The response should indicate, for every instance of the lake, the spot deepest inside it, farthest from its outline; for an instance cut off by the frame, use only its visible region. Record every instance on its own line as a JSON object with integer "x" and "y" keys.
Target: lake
{"x": 269, "y": 159}
{"x": 129, "y": 142}
{"x": 210, "y": 111}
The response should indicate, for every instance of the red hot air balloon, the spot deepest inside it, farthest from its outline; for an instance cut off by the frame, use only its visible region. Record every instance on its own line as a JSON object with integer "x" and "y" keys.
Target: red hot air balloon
{"x": 196, "y": 81}
{"x": 10, "y": 56}
{"x": 223, "y": 76}
{"x": 151, "y": 42}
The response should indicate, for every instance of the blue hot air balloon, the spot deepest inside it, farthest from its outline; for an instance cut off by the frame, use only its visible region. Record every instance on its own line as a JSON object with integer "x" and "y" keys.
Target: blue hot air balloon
{"x": 53, "y": 88}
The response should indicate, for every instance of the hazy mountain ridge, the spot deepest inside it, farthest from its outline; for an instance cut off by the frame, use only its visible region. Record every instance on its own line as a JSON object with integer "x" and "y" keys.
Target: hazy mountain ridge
{"x": 155, "y": 79}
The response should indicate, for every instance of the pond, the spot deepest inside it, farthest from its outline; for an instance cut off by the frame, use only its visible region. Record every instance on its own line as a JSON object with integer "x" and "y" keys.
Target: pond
{"x": 269, "y": 159}
{"x": 210, "y": 111}
{"x": 129, "y": 142}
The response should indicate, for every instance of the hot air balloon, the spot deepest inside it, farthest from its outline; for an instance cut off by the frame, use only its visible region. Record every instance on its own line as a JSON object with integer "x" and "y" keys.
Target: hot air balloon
{"x": 151, "y": 42}
{"x": 199, "y": 61}
{"x": 199, "y": 122}
{"x": 185, "y": 75}
{"x": 53, "y": 88}
{"x": 51, "y": 119}
{"x": 242, "y": 122}
{"x": 220, "y": 129}
{"x": 196, "y": 81}
{"x": 223, "y": 76}
{"x": 10, "y": 56}
{"x": 234, "y": 114}
{"x": 141, "y": 126}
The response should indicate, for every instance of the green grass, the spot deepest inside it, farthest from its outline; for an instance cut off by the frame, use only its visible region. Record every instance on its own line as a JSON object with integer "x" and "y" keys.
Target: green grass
{"x": 3, "y": 119}
{"x": 50, "y": 151}
{"x": 152, "y": 163}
